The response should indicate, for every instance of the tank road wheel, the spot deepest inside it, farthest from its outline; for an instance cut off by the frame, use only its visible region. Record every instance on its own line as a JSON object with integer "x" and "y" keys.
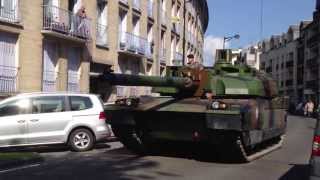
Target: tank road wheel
{"x": 130, "y": 137}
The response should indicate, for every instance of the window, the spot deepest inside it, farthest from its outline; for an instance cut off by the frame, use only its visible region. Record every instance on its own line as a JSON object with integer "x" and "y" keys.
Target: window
{"x": 14, "y": 108}
{"x": 79, "y": 103}
{"x": 48, "y": 104}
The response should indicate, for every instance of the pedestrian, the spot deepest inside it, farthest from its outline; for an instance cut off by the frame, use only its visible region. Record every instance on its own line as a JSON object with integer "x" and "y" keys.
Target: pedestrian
{"x": 309, "y": 108}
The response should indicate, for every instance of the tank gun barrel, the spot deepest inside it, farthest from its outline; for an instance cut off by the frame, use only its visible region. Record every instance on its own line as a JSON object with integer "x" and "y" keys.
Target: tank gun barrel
{"x": 153, "y": 81}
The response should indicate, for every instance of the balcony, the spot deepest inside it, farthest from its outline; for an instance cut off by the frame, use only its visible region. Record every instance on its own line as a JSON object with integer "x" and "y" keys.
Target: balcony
{"x": 150, "y": 9}
{"x": 8, "y": 79}
{"x": 102, "y": 35}
{"x": 163, "y": 53}
{"x": 177, "y": 61}
{"x": 10, "y": 12}
{"x": 49, "y": 81}
{"x": 132, "y": 43}
{"x": 136, "y": 5}
{"x": 63, "y": 23}
{"x": 164, "y": 17}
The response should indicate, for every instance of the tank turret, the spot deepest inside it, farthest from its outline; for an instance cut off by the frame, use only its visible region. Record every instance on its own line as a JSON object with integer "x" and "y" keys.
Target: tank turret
{"x": 224, "y": 79}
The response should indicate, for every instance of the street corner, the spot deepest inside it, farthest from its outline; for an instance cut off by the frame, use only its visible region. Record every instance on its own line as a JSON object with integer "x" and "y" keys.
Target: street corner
{"x": 9, "y": 160}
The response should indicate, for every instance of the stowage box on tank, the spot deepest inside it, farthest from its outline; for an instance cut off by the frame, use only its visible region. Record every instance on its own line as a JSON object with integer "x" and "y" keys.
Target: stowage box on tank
{"x": 230, "y": 107}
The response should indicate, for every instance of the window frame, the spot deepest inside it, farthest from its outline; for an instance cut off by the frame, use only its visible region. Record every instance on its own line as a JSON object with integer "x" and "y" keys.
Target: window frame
{"x": 65, "y": 104}
{"x": 28, "y": 109}
{"x": 70, "y": 103}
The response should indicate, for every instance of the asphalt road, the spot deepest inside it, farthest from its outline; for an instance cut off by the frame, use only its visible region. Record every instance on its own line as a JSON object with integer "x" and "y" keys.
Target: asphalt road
{"x": 112, "y": 161}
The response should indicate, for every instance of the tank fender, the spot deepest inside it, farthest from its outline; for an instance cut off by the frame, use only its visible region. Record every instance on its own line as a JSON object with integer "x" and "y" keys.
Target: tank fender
{"x": 123, "y": 119}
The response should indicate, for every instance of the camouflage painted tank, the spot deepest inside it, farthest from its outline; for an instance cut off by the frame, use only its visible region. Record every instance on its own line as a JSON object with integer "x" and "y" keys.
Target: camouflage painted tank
{"x": 234, "y": 109}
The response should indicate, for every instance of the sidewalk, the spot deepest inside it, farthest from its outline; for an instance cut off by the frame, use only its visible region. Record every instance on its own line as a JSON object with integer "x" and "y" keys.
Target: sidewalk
{"x": 16, "y": 159}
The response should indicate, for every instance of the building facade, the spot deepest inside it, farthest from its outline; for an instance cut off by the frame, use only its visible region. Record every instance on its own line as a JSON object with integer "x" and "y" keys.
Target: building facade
{"x": 250, "y": 56}
{"x": 55, "y": 45}
{"x": 279, "y": 58}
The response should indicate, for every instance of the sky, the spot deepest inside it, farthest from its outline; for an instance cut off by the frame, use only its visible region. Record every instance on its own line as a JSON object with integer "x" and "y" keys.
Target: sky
{"x": 229, "y": 17}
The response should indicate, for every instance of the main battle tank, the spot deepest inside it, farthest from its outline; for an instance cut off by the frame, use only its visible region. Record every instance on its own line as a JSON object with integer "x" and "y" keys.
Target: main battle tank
{"x": 231, "y": 108}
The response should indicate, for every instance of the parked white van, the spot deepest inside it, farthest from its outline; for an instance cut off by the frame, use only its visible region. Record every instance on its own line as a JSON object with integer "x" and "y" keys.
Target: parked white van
{"x": 77, "y": 120}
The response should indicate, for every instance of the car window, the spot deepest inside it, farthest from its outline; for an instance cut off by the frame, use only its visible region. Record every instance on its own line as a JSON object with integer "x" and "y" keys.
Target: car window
{"x": 15, "y": 107}
{"x": 80, "y": 103}
{"x": 48, "y": 104}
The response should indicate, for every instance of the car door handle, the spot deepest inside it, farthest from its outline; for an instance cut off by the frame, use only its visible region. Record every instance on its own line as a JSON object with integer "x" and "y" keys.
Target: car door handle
{"x": 21, "y": 121}
{"x": 34, "y": 120}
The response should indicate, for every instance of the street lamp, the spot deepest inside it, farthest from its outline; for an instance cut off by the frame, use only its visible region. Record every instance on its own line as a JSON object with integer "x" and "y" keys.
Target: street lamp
{"x": 226, "y": 39}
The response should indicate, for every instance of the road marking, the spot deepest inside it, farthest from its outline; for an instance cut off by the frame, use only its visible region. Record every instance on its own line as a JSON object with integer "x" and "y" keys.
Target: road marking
{"x": 19, "y": 168}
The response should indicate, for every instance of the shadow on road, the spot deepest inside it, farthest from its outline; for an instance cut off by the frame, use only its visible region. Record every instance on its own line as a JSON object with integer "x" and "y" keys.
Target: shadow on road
{"x": 199, "y": 152}
{"x": 48, "y": 149}
{"x": 297, "y": 172}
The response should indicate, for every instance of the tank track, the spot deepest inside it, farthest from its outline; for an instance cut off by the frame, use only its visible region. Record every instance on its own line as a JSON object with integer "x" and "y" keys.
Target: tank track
{"x": 232, "y": 150}
{"x": 250, "y": 154}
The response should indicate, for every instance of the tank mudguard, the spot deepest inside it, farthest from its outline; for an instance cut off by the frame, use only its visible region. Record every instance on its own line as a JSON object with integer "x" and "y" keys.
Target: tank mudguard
{"x": 122, "y": 118}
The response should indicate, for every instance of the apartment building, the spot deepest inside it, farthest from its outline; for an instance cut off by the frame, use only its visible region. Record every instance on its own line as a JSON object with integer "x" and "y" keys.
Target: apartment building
{"x": 55, "y": 45}
{"x": 250, "y": 56}
{"x": 279, "y": 58}
{"x": 309, "y": 58}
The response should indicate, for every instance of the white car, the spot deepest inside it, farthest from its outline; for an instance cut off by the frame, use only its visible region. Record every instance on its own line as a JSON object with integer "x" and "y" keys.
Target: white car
{"x": 77, "y": 120}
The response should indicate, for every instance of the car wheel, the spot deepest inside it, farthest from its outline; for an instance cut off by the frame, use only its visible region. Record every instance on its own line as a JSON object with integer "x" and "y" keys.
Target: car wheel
{"x": 81, "y": 140}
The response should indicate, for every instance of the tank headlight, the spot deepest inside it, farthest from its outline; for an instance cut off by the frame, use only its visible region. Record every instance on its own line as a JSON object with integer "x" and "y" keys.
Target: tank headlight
{"x": 215, "y": 105}
{"x": 218, "y": 105}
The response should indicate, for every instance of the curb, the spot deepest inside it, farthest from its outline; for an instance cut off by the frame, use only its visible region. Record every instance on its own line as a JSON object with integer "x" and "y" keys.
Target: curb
{"x": 9, "y": 164}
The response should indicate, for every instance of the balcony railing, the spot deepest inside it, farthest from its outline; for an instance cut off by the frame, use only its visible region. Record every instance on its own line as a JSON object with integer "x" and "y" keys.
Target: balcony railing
{"x": 73, "y": 82}
{"x": 136, "y": 5}
{"x": 65, "y": 22}
{"x": 163, "y": 53}
{"x": 102, "y": 35}
{"x": 10, "y": 12}
{"x": 49, "y": 81}
{"x": 132, "y": 43}
{"x": 164, "y": 17}
{"x": 150, "y": 9}
{"x": 8, "y": 79}
{"x": 177, "y": 61}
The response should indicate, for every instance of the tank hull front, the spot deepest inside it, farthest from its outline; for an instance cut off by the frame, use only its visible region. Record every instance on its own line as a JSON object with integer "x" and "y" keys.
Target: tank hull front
{"x": 191, "y": 120}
